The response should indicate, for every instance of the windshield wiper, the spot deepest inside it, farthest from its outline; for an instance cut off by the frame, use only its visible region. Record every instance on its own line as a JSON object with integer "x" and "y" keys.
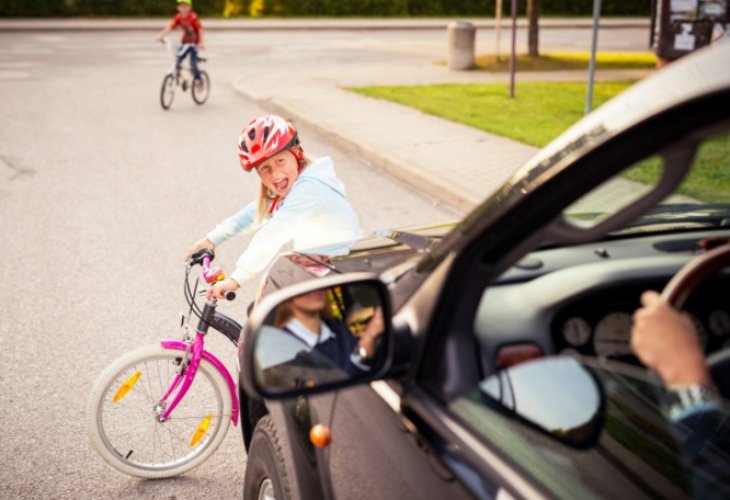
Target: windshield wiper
{"x": 717, "y": 215}
{"x": 415, "y": 241}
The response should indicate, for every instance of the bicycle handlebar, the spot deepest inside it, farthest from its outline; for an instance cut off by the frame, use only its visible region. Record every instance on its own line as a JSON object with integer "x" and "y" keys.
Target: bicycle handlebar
{"x": 204, "y": 257}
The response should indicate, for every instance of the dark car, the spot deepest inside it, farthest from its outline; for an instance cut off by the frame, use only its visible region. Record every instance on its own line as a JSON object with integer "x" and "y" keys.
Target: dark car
{"x": 499, "y": 363}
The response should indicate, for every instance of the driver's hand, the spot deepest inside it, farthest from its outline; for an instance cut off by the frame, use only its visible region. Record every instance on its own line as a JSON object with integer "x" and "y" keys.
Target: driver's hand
{"x": 219, "y": 290}
{"x": 666, "y": 341}
{"x": 204, "y": 243}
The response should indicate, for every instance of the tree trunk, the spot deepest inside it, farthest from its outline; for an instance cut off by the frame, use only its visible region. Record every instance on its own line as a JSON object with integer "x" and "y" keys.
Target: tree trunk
{"x": 533, "y": 13}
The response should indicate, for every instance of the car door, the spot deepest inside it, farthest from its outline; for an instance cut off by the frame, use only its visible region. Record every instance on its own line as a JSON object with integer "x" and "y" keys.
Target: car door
{"x": 373, "y": 453}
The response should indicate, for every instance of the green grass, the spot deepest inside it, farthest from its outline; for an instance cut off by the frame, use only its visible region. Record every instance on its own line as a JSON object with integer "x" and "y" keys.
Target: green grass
{"x": 543, "y": 110}
{"x": 557, "y": 61}
{"x": 709, "y": 179}
{"x": 538, "y": 114}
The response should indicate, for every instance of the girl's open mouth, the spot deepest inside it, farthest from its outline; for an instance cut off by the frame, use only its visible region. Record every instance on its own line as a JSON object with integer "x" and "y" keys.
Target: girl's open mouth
{"x": 281, "y": 186}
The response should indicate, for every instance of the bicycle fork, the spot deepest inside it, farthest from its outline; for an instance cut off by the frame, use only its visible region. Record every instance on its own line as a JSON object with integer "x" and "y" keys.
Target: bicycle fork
{"x": 192, "y": 356}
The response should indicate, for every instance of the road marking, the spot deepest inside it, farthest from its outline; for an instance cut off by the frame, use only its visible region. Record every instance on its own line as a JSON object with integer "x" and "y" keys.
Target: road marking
{"x": 387, "y": 394}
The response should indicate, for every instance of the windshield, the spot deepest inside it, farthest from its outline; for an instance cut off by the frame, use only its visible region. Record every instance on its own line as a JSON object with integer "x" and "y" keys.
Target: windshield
{"x": 702, "y": 200}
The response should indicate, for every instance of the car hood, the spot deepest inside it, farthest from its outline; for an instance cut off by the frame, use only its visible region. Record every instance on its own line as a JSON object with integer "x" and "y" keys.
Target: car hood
{"x": 376, "y": 253}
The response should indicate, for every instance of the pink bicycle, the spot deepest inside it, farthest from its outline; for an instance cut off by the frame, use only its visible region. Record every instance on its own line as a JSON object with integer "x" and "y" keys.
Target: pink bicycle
{"x": 163, "y": 409}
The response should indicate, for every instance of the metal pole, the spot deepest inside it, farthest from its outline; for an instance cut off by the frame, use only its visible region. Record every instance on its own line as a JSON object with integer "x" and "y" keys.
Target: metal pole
{"x": 592, "y": 64}
{"x": 498, "y": 15}
{"x": 512, "y": 56}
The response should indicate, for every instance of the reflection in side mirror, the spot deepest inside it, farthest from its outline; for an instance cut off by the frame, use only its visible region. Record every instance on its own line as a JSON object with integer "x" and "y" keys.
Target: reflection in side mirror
{"x": 323, "y": 338}
{"x": 556, "y": 394}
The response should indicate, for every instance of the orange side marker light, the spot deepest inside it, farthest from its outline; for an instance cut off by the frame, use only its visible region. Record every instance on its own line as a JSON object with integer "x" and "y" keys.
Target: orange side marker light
{"x": 320, "y": 436}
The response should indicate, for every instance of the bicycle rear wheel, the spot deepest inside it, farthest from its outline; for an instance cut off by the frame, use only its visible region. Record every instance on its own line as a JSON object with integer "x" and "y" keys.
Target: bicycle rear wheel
{"x": 122, "y": 411}
{"x": 167, "y": 92}
{"x": 201, "y": 90}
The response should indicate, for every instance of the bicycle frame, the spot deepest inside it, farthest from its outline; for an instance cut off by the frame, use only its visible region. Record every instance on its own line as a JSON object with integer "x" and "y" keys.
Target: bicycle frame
{"x": 195, "y": 351}
{"x": 176, "y": 68}
{"x": 187, "y": 379}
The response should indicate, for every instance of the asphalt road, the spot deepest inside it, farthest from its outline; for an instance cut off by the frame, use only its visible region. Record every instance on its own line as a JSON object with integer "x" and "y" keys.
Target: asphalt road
{"x": 100, "y": 194}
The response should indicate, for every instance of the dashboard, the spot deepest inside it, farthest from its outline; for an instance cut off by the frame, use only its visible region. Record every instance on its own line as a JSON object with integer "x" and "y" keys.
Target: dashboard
{"x": 581, "y": 299}
{"x": 600, "y": 324}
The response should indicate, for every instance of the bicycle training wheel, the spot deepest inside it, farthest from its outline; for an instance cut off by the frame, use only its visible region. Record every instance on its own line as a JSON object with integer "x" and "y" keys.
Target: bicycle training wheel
{"x": 121, "y": 414}
{"x": 167, "y": 92}
{"x": 201, "y": 91}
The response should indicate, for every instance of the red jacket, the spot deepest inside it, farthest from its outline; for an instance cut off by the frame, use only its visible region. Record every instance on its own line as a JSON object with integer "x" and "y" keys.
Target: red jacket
{"x": 190, "y": 25}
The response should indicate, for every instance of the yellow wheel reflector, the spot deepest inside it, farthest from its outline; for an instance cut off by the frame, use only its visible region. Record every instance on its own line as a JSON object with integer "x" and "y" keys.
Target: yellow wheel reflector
{"x": 126, "y": 386}
{"x": 200, "y": 431}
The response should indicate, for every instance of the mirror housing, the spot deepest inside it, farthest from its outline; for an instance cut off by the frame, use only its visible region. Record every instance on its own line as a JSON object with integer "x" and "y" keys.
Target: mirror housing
{"x": 318, "y": 336}
{"x": 536, "y": 393}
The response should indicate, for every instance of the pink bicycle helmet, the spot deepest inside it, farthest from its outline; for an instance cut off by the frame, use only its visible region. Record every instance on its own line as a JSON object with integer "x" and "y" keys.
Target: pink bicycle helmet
{"x": 265, "y": 137}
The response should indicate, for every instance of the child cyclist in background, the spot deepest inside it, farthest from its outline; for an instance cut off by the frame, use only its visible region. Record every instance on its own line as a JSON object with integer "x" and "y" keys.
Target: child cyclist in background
{"x": 192, "y": 37}
{"x": 300, "y": 200}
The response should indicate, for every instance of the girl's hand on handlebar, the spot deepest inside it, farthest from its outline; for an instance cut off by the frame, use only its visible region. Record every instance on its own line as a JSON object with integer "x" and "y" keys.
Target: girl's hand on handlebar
{"x": 200, "y": 244}
{"x": 219, "y": 290}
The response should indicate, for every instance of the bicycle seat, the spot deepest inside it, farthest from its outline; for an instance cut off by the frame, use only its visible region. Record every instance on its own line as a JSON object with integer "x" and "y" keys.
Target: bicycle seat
{"x": 202, "y": 59}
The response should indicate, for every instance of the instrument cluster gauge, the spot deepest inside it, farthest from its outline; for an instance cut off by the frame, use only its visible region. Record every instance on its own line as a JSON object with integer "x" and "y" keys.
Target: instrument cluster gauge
{"x": 719, "y": 323}
{"x": 613, "y": 333}
{"x": 576, "y": 331}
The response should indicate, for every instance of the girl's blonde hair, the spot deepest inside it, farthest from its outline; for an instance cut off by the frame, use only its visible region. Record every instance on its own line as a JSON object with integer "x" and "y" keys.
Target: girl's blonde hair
{"x": 266, "y": 197}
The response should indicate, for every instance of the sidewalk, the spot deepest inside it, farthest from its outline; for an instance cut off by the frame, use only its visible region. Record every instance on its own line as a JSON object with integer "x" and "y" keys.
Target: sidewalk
{"x": 455, "y": 164}
{"x": 344, "y": 24}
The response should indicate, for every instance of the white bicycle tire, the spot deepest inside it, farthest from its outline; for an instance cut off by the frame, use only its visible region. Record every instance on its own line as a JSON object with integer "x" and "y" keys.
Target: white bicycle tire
{"x": 100, "y": 400}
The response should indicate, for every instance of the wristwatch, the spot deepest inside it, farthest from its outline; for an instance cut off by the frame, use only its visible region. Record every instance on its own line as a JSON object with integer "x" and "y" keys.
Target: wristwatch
{"x": 360, "y": 355}
{"x": 687, "y": 399}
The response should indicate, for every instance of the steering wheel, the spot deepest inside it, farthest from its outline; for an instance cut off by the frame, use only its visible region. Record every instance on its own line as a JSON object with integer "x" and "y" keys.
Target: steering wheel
{"x": 678, "y": 290}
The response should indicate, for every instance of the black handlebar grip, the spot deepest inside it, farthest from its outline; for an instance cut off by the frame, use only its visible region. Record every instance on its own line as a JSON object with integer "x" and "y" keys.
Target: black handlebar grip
{"x": 197, "y": 257}
{"x": 230, "y": 295}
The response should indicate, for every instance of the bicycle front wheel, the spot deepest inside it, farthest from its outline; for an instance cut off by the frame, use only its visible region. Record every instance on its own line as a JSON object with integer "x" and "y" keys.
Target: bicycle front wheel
{"x": 124, "y": 403}
{"x": 167, "y": 92}
{"x": 201, "y": 88}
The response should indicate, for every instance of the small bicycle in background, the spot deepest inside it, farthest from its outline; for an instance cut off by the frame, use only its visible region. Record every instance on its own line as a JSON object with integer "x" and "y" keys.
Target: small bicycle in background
{"x": 182, "y": 76}
{"x": 145, "y": 416}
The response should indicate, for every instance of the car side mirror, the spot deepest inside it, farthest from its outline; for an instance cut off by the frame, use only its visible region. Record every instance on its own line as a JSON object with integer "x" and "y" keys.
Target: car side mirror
{"x": 317, "y": 336}
{"x": 556, "y": 394}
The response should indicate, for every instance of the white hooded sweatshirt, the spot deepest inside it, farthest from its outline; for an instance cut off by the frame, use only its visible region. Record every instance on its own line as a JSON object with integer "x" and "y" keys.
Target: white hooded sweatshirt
{"x": 314, "y": 214}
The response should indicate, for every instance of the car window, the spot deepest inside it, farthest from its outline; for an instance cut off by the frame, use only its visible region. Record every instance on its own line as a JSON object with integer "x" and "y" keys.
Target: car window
{"x": 616, "y": 193}
{"x": 707, "y": 184}
{"x": 618, "y": 442}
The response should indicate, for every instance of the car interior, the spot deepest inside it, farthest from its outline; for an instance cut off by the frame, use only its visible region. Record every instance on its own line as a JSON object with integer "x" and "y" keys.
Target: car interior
{"x": 579, "y": 298}
{"x": 569, "y": 295}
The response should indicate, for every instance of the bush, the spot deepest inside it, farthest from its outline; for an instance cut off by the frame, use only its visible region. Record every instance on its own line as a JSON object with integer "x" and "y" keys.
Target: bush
{"x": 326, "y": 8}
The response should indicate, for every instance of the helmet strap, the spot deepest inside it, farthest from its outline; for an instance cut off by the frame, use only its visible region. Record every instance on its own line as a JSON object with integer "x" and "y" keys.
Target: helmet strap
{"x": 299, "y": 156}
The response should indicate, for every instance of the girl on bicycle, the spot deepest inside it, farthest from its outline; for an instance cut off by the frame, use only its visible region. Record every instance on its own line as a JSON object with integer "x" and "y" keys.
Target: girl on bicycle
{"x": 300, "y": 201}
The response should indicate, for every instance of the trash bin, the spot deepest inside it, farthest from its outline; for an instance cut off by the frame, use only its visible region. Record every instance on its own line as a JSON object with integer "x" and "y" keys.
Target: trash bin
{"x": 461, "y": 45}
